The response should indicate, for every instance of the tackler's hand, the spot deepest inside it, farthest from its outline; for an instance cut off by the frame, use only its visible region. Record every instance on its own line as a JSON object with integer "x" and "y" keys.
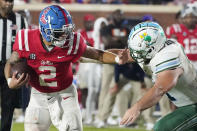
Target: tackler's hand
{"x": 124, "y": 56}
{"x": 130, "y": 116}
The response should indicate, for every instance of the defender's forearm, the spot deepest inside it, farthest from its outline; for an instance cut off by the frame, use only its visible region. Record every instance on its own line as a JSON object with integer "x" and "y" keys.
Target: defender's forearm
{"x": 150, "y": 99}
{"x": 166, "y": 80}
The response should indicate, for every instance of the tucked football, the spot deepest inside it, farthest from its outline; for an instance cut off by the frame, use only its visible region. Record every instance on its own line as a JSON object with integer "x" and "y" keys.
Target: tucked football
{"x": 20, "y": 67}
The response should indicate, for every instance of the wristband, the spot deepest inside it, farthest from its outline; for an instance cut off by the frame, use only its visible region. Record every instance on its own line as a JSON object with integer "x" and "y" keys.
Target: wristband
{"x": 9, "y": 80}
{"x": 117, "y": 59}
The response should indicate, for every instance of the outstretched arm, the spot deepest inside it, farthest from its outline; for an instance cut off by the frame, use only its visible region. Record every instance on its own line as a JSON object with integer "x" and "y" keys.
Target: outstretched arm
{"x": 166, "y": 80}
{"x": 13, "y": 82}
{"x": 105, "y": 57}
{"x": 111, "y": 56}
{"x": 115, "y": 51}
{"x": 88, "y": 60}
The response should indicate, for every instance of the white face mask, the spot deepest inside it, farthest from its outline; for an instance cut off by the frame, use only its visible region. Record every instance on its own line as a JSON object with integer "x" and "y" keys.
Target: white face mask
{"x": 59, "y": 37}
{"x": 59, "y": 43}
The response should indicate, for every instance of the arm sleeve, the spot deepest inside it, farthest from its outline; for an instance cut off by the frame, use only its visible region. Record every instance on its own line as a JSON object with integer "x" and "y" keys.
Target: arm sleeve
{"x": 168, "y": 59}
{"x": 19, "y": 46}
{"x": 16, "y": 44}
{"x": 117, "y": 73}
{"x": 140, "y": 72}
{"x": 171, "y": 30}
{"x": 81, "y": 49}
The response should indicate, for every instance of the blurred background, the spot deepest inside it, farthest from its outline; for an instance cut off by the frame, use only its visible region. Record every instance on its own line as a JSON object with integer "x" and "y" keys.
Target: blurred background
{"x": 163, "y": 11}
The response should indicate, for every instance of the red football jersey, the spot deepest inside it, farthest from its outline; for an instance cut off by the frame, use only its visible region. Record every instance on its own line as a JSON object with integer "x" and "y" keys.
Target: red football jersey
{"x": 186, "y": 37}
{"x": 53, "y": 70}
{"x": 88, "y": 36}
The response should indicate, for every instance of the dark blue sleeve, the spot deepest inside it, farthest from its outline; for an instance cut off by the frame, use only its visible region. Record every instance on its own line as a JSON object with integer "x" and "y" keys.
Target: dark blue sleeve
{"x": 116, "y": 73}
{"x": 139, "y": 72}
{"x": 141, "y": 76}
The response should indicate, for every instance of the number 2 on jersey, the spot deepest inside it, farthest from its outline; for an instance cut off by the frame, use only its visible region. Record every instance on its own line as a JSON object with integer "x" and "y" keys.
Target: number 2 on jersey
{"x": 51, "y": 75}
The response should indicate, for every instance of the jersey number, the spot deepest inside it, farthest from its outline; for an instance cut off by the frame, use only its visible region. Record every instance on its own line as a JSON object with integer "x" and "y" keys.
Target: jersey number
{"x": 190, "y": 46}
{"x": 51, "y": 75}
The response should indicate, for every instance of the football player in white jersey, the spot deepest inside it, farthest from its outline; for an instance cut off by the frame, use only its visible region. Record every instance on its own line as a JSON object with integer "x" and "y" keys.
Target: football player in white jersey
{"x": 172, "y": 73}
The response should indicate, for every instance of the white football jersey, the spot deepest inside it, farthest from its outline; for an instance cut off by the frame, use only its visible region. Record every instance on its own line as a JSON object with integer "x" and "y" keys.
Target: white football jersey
{"x": 170, "y": 57}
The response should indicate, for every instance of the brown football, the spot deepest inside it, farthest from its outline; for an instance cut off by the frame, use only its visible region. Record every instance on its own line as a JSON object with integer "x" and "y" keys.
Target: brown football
{"x": 20, "y": 67}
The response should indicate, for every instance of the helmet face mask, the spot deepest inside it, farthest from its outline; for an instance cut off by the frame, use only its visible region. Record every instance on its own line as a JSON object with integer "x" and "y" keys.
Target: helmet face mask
{"x": 60, "y": 36}
{"x": 145, "y": 40}
{"x": 138, "y": 56}
{"x": 56, "y": 26}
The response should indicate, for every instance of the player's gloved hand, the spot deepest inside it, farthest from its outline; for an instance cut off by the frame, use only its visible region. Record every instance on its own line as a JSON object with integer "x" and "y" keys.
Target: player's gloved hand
{"x": 15, "y": 83}
{"x": 131, "y": 115}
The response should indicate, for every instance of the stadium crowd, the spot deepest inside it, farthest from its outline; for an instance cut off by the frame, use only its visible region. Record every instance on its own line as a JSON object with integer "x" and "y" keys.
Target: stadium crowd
{"x": 154, "y": 2}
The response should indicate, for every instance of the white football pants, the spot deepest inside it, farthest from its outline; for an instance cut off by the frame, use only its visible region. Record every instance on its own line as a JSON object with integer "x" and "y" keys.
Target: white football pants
{"x": 60, "y": 108}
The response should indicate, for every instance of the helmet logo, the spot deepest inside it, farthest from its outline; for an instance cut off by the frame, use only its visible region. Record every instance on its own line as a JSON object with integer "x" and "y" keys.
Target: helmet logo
{"x": 42, "y": 19}
{"x": 145, "y": 37}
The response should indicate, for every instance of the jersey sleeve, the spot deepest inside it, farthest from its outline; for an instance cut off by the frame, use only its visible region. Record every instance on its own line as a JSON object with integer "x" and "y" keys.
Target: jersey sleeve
{"x": 170, "y": 31}
{"x": 175, "y": 29}
{"x": 168, "y": 59}
{"x": 19, "y": 44}
{"x": 80, "y": 48}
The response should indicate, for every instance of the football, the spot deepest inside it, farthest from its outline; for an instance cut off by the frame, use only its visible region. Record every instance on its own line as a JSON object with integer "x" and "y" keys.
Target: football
{"x": 20, "y": 67}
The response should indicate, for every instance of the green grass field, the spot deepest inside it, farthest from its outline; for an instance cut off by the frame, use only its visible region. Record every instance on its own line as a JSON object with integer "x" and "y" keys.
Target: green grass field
{"x": 20, "y": 127}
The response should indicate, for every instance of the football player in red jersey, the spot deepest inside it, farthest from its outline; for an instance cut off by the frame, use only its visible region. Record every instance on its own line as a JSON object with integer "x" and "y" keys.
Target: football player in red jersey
{"x": 186, "y": 31}
{"x": 87, "y": 32}
{"x": 50, "y": 50}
